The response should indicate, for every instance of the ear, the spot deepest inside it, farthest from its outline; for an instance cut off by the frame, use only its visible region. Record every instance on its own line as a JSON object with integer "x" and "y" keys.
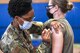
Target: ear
{"x": 16, "y": 18}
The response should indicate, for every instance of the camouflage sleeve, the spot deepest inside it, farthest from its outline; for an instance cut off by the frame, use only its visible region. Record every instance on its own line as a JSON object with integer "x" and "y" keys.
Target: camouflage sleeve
{"x": 44, "y": 48}
{"x": 9, "y": 45}
{"x": 37, "y": 27}
{"x": 4, "y": 42}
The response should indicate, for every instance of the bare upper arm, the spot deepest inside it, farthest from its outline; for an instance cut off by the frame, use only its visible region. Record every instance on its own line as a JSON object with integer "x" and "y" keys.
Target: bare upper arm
{"x": 57, "y": 37}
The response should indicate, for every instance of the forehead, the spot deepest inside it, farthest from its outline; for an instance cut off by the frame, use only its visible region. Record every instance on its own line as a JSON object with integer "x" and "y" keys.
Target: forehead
{"x": 29, "y": 15}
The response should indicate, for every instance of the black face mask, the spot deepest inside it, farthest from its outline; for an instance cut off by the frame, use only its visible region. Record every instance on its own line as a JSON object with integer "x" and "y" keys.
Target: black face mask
{"x": 50, "y": 16}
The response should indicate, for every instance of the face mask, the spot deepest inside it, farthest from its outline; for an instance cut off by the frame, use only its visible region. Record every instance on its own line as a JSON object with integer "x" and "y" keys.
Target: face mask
{"x": 50, "y": 16}
{"x": 26, "y": 25}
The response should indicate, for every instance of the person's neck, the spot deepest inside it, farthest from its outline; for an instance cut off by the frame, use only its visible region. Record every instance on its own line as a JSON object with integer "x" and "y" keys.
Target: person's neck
{"x": 15, "y": 24}
{"x": 58, "y": 15}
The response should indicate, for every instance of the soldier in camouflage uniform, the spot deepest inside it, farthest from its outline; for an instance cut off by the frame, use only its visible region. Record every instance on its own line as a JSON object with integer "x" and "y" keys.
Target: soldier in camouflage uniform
{"x": 19, "y": 41}
{"x": 14, "y": 41}
{"x": 16, "y": 38}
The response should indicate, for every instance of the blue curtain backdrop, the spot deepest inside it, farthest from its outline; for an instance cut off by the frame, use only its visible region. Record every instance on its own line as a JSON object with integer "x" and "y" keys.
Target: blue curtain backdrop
{"x": 40, "y": 15}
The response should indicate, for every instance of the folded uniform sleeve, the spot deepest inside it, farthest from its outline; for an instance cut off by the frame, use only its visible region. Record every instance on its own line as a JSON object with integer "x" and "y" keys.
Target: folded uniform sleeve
{"x": 36, "y": 28}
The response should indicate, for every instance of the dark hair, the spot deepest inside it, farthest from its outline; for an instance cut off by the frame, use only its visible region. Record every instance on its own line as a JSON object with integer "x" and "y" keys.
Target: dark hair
{"x": 19, "y": 7}
{"x": 63, "y": 4}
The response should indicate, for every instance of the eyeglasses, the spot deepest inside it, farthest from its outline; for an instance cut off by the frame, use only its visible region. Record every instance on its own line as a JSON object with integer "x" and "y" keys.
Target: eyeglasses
{"x": 50, "y": 7}
{"x": 28, "y": 19}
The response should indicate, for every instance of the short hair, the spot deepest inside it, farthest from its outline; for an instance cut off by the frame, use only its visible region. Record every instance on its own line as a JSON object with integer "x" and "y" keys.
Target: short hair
{"x": 19, "y": 7}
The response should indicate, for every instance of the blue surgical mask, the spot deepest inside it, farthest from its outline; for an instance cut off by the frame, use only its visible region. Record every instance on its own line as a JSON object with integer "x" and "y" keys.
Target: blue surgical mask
{"x": 26, "y": 25}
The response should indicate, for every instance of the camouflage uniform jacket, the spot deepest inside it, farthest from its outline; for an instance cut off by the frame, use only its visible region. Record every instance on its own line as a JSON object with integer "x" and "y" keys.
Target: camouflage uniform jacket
{"x": 16, "y": 41}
